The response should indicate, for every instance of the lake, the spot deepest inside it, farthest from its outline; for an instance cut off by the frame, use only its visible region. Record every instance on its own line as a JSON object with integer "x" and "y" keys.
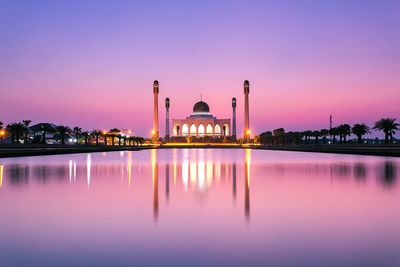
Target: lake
{"x": 200, "y": 207}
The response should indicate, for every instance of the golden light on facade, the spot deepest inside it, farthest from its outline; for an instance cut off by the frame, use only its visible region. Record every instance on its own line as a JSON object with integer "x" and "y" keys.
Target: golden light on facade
{"x": 104, "y": 132}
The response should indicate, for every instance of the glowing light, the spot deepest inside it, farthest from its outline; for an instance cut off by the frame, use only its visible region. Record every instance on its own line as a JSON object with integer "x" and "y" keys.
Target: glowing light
{"x": 185, "y": 173}
{"x": 248, "y": 132}
{"x": 104, "y": 132}
{"x": 2, "y": 133}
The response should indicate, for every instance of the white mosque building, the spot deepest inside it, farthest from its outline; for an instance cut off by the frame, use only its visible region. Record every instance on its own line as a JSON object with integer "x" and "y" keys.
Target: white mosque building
{"x": 201, "y": 123}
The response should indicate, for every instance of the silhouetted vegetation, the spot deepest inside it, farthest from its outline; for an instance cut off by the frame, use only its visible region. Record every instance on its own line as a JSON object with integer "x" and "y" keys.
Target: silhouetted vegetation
{"x": 279, "y": 136}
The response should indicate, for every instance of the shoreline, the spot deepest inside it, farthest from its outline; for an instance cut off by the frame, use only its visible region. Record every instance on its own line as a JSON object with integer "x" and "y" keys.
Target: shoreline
{"x": 9, "y": 151}
{"x": 29, "y": 151}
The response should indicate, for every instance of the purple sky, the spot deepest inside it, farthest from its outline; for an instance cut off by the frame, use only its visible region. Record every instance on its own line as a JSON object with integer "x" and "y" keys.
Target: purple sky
{"x": 92, "y": 63}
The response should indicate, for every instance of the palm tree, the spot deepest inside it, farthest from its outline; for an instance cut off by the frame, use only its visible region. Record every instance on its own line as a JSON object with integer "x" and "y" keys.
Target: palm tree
{"x": 63, "y": 130}
{"x": 26, "y": 130}
{"x": 324, "y": 133}
{"x": 359, "y": 130}
{"x": 86, "y": 135}
{"x": 334, "y": 132}
{"x": 45, "y": 128}
{"x": 388, "y": 126}
{"x": 77, "y": 132}
{"x": 16, "y": 129}
{"x": 344, "y": 131}
{"x": 96, "y": 133}
{"x": 119, "y": 136}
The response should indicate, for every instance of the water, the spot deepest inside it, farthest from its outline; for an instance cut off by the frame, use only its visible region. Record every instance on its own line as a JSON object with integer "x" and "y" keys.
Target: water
{"x": 210, "y": 207}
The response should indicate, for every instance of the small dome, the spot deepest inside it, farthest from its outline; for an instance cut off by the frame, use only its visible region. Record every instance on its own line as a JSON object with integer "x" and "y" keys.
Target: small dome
{"x": 155, "y": 82}
{"x": 201, "y": 107}
{"x": 246, "y": 82}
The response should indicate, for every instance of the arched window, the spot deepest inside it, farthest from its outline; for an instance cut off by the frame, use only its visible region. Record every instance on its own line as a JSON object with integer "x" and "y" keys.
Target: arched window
{"x": 209, "y": 130}
{"x": 201, "y": 130}
{"x": 193, "y": 130}
{"x": 226, "y": 130}
{"x": 217, "y": 130}
{"x": 185, "y": 130}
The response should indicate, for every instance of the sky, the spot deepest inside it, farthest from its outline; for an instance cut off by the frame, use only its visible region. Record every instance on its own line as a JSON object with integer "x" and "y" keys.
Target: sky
{"x": 92, "y": 63}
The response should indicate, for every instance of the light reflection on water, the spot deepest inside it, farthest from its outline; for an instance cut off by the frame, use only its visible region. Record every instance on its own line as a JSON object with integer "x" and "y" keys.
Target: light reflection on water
{"x": 272, "y": 202}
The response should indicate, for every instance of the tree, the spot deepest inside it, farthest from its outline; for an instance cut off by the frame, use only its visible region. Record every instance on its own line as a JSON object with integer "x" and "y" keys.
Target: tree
{"x": 334, "y": 132}
{"x": 307, "y": 135}
{"x": 26, "y": 130}
{"x": 344, "y": 131}
{"x": 62, "y": 131}
{"x": 86, "y": 136}
{"x": 16, "y": 129}
{"x": 316, "y": 135}
{"x": 45, "y": 128}
{"x": 279, "y": 136}
{"x": 324, "y": 133}
{"x": 77, "y": 132}
{"x": 359, "y": 130}
{"x": 388, "y": 126}
{"x": 97, "y": 134}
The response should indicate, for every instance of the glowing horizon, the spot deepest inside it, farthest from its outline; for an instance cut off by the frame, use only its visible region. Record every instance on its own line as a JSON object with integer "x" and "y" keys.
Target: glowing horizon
{"x": 93, "y": 64}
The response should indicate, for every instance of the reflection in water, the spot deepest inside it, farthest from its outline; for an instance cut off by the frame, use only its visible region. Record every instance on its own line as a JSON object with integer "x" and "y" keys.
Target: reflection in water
{"x": 360, "y": 171}
{"x": 247, "y": 184}
{"x": 129, "y": 168}
{"x": 154, "y": 164}
{"x": 88, "y": 169}
{"x": 387, "y": 173}
{"x": 1, "y": 175}
{"x": 194, "y": 170}
{"x": 234, "y": 181}
{"x": 167, "y": 181}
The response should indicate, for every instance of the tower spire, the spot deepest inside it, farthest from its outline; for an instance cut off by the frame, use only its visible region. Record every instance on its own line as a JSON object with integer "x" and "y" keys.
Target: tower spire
{"x": 155, "y": 133}
{"x": 246, "y": 87}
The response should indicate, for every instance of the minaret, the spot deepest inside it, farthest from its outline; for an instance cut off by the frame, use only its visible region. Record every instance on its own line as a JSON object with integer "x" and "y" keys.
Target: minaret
{"x": 246, "y": 111}
{"x": 155, "y": 121}
{"x": 167, "y": 119}
{"x": 234, "y": 118}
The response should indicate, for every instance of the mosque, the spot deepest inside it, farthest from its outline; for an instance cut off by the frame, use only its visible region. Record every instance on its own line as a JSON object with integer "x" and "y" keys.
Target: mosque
{"x": 201, "y": 124}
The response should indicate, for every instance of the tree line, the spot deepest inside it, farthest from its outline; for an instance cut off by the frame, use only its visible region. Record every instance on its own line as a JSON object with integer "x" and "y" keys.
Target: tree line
{"x": 338, "y": 134}
{"x": 20, "y": 132}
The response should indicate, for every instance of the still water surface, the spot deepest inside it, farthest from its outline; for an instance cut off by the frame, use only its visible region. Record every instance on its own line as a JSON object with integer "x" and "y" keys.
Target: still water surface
{"x": 200, "y": 207}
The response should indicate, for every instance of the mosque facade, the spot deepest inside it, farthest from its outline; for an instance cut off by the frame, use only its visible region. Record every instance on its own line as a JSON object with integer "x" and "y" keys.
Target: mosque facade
{"x": 201, "y": 123}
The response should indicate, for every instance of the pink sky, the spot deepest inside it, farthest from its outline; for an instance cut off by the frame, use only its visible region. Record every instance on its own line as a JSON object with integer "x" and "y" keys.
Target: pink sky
{"x": 92, "y": 64}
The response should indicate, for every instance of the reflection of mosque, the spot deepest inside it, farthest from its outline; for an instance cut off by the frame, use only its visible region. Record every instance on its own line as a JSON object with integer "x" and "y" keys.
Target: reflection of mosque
{"x": 196, "y": 171}
{"x": 200, "y": 174}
